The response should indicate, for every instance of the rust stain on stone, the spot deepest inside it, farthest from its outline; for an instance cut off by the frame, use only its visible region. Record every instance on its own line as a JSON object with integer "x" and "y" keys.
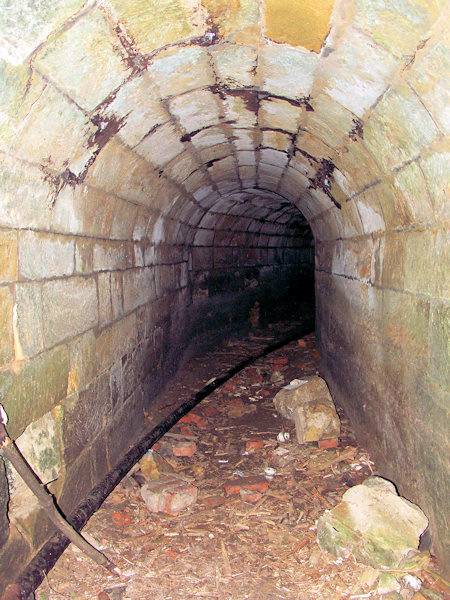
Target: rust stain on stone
{"x": 357, "y": 131}
{"x": 323, "y": 179}
{"x": 298, "y": 22}
{"x": 222, "y": 12}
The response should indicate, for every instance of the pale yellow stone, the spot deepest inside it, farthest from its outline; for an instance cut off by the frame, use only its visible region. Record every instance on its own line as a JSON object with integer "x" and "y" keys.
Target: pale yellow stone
{"x": 400, "y": 27}
{"x": 276, "y": 140}
{"x": 244, "y": 139}
{"x": 279, "y": 114}
{"x": 161, "y": 145}
{"x": 196, "y": 110}
{"x": 330, "y": 122}
{"x": 118, "y": 170}
{"x": 178, "y": 70}
{"x": 398, "y": 128}
{"x": 156, "y": 23}
{"x": 138, "y": 108}
{"x": 232, "y": 15}
{"x": 6, "y": 325}
{"x": 287, "y": 71}
{"x": 357, "y": 72}
{"x": 428, "y": 75}
{"x": 237, "y": 109}
{"x": 38, "y": 20}
{"x": 209, "y": 137}
{"x": 234, "y": 64}
{"x": 96, "y": 65}
{"x": 8, "y": 256}
{"x": 215, "y": 152}
{"x": 54, "y": 133}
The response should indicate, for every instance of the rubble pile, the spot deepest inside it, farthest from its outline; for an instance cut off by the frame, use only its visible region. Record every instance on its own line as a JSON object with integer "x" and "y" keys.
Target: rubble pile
{"x": 228, "y": 504}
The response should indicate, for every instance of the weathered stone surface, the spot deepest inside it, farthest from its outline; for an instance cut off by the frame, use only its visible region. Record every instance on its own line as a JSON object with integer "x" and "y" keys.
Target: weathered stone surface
{"x": 35, "y": 388}
{"x": 57, "y": 255}
{"x": 90, "y": 47}
{"x": 156, "y": 24}
{"x": 398, "y": 128}
{"x": 66, "y": 301}
{"x": 6, "y": 325}
{"x": 373, "y": 523}
{"x": 8, "y": 256}
{"x": 38, "y": 20}
{"x": 287, "y": 72}
{"x": 40, "y": 445}
{"x": 55, "y": 134}
{"x": 85, "y": 414}
{"x": 308, "y": 403}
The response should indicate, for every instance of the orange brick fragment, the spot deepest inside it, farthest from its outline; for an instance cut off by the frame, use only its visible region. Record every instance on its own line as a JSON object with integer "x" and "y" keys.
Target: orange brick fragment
{"x": 253, "y": 484}
{"x": 184, "y": 448}
{"x": 253, "y": 445}
{"x": 195, "y": 419}
{"x": 329, "y": 443}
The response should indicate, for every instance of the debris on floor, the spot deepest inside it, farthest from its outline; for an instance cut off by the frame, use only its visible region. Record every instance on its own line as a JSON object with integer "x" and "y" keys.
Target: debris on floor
{"x": 236, "y": 517}
{"x": 308, "y": 403}
{"x": 374, "y": 524}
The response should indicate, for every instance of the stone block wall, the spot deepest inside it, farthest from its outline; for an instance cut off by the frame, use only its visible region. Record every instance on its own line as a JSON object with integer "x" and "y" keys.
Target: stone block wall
{"x": 158, "y": 162}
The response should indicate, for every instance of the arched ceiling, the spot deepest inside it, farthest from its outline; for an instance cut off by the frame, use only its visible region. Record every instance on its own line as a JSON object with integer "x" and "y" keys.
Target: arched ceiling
{"x": 234, "y": 108}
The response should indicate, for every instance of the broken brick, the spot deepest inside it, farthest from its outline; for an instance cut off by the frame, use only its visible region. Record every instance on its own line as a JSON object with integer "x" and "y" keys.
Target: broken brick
{"x": 253, "y": 445}
{"x": 185, "y": 430}
{"x": 230, "y": 386}
{"x": 253, "y": 484}
{"x": 121, "y": 519}
{"x": 280, "y": 360}
{"x": 328, "y": 443}
{"x": 194, "y": 419}
{"x": 168, "y": 495}
{"x": 249, "y": 496}
{"x": 184, "y": 448}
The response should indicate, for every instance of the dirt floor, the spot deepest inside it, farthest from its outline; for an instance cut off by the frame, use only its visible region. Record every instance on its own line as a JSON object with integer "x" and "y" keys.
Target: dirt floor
{"x": 258, "y": 543}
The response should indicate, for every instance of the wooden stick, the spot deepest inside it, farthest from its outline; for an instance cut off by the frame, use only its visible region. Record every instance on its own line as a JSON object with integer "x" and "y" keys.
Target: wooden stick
{"x": 9, "y": 449}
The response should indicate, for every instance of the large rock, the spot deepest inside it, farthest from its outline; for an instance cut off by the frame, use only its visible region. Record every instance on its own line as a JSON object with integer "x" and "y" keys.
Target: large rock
{"x": 373, "y": 523}
{"x": 308, "y": 403}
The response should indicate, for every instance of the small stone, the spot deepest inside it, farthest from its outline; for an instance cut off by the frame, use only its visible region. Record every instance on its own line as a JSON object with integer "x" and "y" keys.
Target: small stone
{"x": 276, "y": 377}
{"x": 184, "y": 448}
{"x": 153, "y": 464}
{"x": 168, "y": 495}
{"x": 308, "y": 403}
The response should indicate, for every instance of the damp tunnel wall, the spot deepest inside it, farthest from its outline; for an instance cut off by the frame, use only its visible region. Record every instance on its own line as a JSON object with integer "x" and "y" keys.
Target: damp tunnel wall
{"x": 163, "y": 166}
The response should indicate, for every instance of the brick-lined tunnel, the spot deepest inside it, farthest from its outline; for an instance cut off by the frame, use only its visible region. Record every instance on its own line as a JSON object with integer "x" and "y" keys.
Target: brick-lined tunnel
{"x": 165, "y": 165}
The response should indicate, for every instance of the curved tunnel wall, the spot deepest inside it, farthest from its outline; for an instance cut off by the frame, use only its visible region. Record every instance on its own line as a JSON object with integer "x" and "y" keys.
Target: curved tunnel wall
{"x": 159, "y": 160}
